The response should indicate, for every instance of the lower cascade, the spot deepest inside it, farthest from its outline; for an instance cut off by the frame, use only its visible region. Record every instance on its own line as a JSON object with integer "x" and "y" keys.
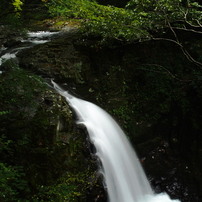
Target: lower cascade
{"x": 123, "y": 175}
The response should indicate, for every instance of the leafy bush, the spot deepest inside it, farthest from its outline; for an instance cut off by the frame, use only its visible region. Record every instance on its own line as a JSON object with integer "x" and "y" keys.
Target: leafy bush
{"x": 17, "y": 5}
{"x": 139, "y": 20}
{"x": 11, "y": 183}
{"x": 10, "y": 9}
{"x": 13, "y": 96}
{"x": 107, "y": 21}
{"x": 70, "y": 187}
{"x": 32, "y": 143}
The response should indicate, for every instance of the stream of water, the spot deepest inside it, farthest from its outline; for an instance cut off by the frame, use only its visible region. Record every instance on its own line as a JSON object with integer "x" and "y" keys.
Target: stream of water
{"x": 32, "y": 39}
{"x": 124, "y": 177}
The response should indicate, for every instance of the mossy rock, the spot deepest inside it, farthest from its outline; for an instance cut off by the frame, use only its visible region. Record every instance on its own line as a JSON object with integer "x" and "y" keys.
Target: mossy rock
{"x": 57, "y": 59}
{"x": 39, "y": 133}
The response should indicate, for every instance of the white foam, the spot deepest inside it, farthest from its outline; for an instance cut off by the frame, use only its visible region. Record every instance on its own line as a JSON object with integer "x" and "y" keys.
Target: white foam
{"x": 163, "y": 197}
{"x": 6, "y": 57}
{"x": 35, "y": 41}
{"x": 41, "y": 34}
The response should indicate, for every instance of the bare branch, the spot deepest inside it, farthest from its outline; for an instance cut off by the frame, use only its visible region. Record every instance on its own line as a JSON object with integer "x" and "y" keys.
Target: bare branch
{"x": 188, "y": 30}
{"x": 166, "y": 71}
{"x": 199, "y": 23}
{"x": 195, "y": 26}
{"x": 185, "y": 14}
{"x": 191, "y": 59}
{"x": 186, "y": 21}
{"x": 166, "y": 39}
{"x": 186, "y": 53}
{"x": 174, "y": 33}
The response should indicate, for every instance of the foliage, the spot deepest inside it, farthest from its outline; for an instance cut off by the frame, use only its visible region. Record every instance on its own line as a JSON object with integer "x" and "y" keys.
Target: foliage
{"x": 119, "y": 3}
{"x": 70, "y": 187}
{"x": 11, "y": 183}
{"x": 11, "y": 7}
{"x": 17, "y": 5}
{"x": 3, "y": 112}
{"x": 157, "y": 14}
{"x": 35, "y": 154}
{"x": 10, "y": 13}
{"x": 16, "y": 12}
{"x": 139, "y": 20}
{"x": 16, "y": 98}
{"x": 101, "y": 20}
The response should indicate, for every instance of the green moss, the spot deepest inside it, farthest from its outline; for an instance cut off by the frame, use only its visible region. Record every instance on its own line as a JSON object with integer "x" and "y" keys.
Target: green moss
{"x": 12, "y": 183}
{"x": 39, "y": 135}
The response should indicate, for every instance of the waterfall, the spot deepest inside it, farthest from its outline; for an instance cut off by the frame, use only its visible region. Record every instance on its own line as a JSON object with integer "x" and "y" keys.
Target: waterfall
{"x": 124, "y": 177}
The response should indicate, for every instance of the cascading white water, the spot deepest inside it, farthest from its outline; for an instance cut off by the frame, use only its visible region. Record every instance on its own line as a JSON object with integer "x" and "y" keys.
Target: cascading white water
{"x": 124, "y": 177}
{"x": 39, "y": 37}
{"x": 33, "y": 38}
{"x": 6, "y": 57}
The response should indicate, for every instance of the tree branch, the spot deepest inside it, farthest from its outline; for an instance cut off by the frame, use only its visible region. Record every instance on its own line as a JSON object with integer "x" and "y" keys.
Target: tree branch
{"x": 187, "y": 30}
{"x": 166, "y": 39}
{"x": 200, "y": 25}
{"x": 168, "y": 72}
{"x": 185, "y": 52}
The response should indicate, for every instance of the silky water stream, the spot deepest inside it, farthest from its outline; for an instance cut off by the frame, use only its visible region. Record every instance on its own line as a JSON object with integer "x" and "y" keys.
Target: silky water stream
{"x": 32, "y": 39}
{"x": 123, "y": 175}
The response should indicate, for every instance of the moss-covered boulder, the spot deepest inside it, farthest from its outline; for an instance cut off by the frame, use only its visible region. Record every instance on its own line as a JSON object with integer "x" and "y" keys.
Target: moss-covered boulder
{"x": 57, "y": 59}
{"x": 41, "y": 151}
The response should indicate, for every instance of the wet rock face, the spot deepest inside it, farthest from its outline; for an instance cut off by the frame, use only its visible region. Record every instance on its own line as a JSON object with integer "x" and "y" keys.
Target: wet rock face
{"x": 33, "y": 112}
{"x": 57, "y": 59}
{"x": 41, "y": 138}
{"x": 2, "y": 35}
{"x": 9, "y": 37}
{"x": 12, "y": 43}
